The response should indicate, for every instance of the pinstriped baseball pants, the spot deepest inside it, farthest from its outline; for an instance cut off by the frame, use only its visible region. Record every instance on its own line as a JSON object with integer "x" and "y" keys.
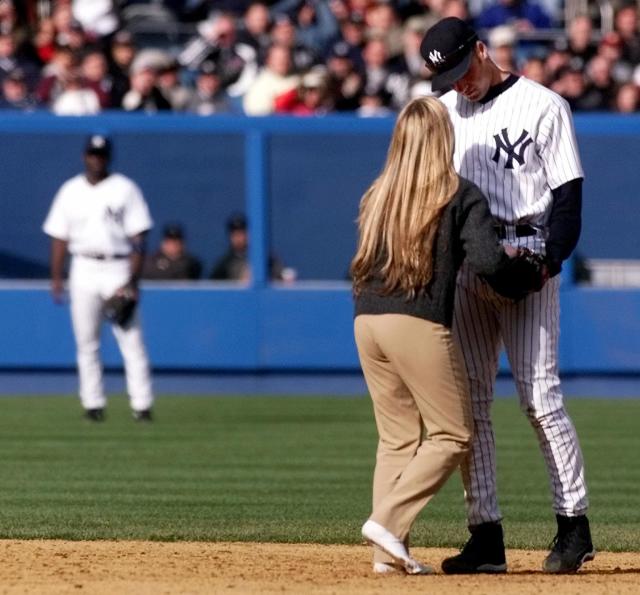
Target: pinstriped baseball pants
{"x": 529, "y": 331}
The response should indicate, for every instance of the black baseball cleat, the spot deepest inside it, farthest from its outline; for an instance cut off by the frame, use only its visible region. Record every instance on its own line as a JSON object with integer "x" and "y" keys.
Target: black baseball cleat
{"x": 571, "y": 547}
{"x": 483, "y": 553}
{"x": 143, "y": 415}
{"x": 94, "y": 414}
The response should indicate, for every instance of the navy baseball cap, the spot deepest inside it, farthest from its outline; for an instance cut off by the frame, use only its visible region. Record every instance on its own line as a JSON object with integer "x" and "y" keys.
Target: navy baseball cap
{"x": 98, "y": 144}
{"x": 447, "y": 49}
{"x": 236, "y": 222}
{"x": 173, "y": 231}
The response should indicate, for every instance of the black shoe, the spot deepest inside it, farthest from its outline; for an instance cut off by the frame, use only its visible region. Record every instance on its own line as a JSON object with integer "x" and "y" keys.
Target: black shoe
{"x": 143, "y": 415}
{"x": 484, "y": 552}
{"x": 571, "y": 547}
{"x": 94, "y": 414}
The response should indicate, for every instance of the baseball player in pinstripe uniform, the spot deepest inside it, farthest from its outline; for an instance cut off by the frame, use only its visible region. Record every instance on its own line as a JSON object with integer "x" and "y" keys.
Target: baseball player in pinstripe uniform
{"x": 515, "y": 140}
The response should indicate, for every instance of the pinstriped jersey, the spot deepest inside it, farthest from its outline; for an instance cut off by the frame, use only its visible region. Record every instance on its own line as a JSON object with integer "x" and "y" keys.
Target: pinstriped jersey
{"x": 516, "y": 147}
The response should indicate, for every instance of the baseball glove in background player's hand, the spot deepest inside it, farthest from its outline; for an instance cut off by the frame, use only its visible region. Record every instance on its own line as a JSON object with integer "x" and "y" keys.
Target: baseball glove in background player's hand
{"x": 119, "y": 308}
{"x": 527, "y": 273}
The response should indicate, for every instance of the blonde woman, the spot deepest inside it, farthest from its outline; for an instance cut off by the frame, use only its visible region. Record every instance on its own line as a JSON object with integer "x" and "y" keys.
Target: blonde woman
{"x": 417, "y": 223}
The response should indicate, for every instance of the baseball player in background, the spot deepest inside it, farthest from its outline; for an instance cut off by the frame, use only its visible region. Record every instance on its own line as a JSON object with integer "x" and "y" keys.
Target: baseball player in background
{"x": 101, "y": 219}
{"x": 515, "y": 140}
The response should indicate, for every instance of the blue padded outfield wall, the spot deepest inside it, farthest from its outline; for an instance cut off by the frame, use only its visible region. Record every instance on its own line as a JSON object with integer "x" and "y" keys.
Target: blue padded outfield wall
{"x": 300, "y": 181}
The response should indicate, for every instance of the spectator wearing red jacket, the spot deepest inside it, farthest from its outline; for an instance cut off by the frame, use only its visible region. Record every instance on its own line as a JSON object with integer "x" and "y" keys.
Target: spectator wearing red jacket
{"x": 311, "y": 98}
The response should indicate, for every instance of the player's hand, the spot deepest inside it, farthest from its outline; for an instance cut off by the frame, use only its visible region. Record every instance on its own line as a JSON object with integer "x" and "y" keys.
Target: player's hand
{"x": 57, "y": 291}
{"x": 510, "y": 250}
{"x": 545, "y": 275}
{"x": 130, "y": 290}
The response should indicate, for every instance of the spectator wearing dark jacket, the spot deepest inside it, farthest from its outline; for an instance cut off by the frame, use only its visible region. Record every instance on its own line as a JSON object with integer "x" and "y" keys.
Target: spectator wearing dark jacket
{"x": 172, "y": 261}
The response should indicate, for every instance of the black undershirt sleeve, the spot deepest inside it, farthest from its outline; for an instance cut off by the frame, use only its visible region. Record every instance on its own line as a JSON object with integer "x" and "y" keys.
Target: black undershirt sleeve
{"x": 565, "y": 223}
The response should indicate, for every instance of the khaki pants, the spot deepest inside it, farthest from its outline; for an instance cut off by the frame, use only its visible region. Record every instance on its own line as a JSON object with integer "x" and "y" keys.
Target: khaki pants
{"x": 415, "y": 375}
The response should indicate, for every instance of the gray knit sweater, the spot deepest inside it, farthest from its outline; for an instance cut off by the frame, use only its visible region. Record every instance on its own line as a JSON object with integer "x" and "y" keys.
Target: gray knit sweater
{"x": 466, "y": 231}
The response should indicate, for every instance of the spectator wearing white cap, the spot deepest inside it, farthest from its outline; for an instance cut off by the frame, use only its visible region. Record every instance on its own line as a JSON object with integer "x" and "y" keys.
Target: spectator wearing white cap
{"x": 502, "y": 47}
{"x": 144, "y": 95}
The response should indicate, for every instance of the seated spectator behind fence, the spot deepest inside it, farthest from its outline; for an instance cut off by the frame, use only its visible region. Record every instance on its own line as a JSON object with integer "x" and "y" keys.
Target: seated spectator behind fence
{"x": 209, "y": 97}
{"x": 274, "y": 79}
{"x": 169, "y": 84}
{"x": 172, "y": 261}
{"x": 15, "y": 94}
{"x": 345, "y": 80}
{"x": 627, "y": 99}
{"x": 121, "y": 56}
{"x": 311, "y": 98}
{"x": 255, "y": 27}
{"x": 217, "y": 41}
{"x": 144, "y": 95}
{"x": 44, "y": 40}
{"x": 626, "y": 25}
{"x": 234, "y": 265}
{"x": 10, "y": 58}
{"x": 283, "y": 32}
{"x": 95, "y": 71}
{"x": 502, "y": 47}
{"x": 580, "y": 42}
{"x": 60, "y": 67}
{"x": 76, "y": 98}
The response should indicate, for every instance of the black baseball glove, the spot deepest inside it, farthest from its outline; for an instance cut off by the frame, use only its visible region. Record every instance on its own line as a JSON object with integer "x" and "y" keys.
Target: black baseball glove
{"x": 527, "y": 273}
{"x": 119, "y": 308}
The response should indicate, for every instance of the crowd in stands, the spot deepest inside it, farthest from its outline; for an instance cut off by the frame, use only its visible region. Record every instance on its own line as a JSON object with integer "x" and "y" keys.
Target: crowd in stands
{"x": 301, "y": 57}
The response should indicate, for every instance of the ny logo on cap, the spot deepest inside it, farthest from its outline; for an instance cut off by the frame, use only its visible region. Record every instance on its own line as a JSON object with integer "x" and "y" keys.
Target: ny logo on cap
{"x": 436, "y": 57}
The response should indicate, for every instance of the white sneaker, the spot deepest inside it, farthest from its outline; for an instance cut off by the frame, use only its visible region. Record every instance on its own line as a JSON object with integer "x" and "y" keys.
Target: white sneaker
{"x": 386, "y": 568}
{"x": 376, "y": 534}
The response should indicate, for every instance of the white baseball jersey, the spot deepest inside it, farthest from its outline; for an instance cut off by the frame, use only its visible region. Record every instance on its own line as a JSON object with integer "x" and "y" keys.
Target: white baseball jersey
{"x": 100, "y": 218}
{"x": 516, "y": 148}
{"x": 97, "y": 220}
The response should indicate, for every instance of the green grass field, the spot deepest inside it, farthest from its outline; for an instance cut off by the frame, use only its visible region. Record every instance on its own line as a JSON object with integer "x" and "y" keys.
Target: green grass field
{"x": 288, "y": 469}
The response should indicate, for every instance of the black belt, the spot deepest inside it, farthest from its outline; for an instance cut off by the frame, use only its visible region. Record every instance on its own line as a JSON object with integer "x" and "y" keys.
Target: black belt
{"x": 521, "y": 231}
{"x": 98, "y": 256}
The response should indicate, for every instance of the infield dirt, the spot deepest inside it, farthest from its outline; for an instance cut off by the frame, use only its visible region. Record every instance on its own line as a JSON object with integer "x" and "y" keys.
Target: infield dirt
{"x": 145, "y": 568}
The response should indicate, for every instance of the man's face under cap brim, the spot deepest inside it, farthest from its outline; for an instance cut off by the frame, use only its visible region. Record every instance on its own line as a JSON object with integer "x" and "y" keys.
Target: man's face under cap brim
{"x": 448, "y": 78}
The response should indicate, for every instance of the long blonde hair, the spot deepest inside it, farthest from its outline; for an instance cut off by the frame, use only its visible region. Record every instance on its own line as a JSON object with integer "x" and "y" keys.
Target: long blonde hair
{"x": 400, "y": 212}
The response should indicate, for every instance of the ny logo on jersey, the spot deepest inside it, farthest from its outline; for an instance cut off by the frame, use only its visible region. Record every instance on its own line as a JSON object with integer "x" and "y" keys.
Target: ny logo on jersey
{"x": 114, "y": 215}
{"x": 511, "y": 150}
{"x": 436, "y": 57}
